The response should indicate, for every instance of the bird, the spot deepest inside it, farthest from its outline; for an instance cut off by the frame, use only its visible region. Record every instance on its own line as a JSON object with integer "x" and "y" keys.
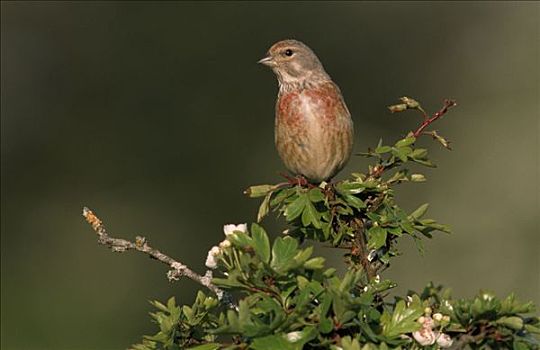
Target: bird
{"x": 313, "y": 127}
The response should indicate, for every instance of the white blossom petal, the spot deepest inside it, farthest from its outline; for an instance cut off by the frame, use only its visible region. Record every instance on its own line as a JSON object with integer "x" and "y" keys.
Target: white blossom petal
{"x": 425, "y": 336}
{"x": 211, "y": 259}
{"x": 225, "y": 244}
{"x": 294, "y": 336}
{"x": 230, "y": 228}
{"x": 444, "y": 340}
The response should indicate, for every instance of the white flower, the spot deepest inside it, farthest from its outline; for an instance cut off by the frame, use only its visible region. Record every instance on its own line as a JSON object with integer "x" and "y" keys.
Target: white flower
{"x": 293, "y": 337}
{"x": 230, "y": 228}
{"x": 427, "y": 322}
{"x": 224, "y": 244}
{"x": 425, "y": 336}
{"x": 211, "y": 261}
{"x": 448, "y": 305}
{"x": 438, "y": 317}
{"x": 377, "y": 279}
{"x": 444, "y": 340}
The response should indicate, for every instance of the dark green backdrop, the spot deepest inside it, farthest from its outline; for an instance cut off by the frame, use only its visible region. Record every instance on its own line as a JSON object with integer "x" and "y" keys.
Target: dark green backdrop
{"x": 156, "y": 116}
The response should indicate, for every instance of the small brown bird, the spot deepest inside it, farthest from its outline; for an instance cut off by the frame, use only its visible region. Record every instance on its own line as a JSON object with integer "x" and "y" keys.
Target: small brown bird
{"x": 313, "y": 128}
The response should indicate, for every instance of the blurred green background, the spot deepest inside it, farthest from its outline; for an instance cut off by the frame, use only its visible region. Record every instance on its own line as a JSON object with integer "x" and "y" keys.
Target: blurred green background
{"x": 157, "y": 117}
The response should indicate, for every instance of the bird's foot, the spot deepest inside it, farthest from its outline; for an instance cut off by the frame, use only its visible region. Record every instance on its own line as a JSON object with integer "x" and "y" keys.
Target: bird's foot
{"x": 298, "y": 180}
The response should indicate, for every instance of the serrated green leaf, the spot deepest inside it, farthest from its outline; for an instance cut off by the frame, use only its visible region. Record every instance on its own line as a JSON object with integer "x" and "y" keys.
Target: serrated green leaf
{"x": 296, "y": 208}
{"x": 261, "y": 243}
{"x": 283, "y": 251}
{"x": 402, "y": 320}
{"x": 310, "y": 215}
{"x": 376, "y": 237}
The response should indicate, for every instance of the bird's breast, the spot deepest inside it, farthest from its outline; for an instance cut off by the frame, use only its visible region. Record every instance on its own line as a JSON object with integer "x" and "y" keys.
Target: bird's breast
{"x": 313, "y": 131}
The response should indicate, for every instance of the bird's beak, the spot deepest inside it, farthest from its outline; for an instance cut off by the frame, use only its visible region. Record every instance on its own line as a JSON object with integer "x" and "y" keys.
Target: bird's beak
{"x": 267, "y": 61}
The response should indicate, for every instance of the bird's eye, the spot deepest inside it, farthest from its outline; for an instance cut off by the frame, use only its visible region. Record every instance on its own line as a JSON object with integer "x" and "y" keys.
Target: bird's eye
{"x": 288, "y": 52}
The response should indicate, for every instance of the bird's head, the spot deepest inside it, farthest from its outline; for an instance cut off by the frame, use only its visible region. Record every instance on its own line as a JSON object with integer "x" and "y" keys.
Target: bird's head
{"x": 294, "y": 62}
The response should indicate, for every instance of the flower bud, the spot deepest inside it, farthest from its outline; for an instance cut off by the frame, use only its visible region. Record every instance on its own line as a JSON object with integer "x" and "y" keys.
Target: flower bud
{"x": 224, "y": 244}
{"x": 418, "y": 178}
{"x": 438, "y": 317}
{"x": 211, "y": 259}
{"x": 397, "y": 108}
{"x": 409, "y": 102}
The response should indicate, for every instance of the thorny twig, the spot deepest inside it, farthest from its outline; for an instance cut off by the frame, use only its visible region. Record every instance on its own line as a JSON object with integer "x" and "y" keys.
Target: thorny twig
{"x": 428, "y": 120}
{"x": 177, "y": 268}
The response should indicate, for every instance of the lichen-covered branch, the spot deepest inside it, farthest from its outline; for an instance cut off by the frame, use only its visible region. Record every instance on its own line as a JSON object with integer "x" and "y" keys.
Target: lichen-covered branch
{"x": 177, "y": 269}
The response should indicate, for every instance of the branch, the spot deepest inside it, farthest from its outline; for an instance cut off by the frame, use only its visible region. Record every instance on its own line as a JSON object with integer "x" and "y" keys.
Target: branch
{"x": 428, "y": 120}
{"x": 177, "y": 268}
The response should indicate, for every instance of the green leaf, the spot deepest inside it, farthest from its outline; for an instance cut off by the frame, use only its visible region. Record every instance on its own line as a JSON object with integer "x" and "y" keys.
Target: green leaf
{"x": 326, "y": 325}
{"x": 296, "y": 208}
{"x": 303, "y": 255}
{"x": 376, "y": 237}
{"x": 315, "y": 195}
{"x": 383, "y": 149}
{"x": 310, "y": 215}
{"x": 314, "y": 263}
{"x": 240, "y": 239}
{"x": 419, "y": 212}
{"x": 272, "y": 342}
{"x": 346, "y": 188}
{"x": 209, "y": 346}
{"x": 427, "y": 163}
{"x": 405, "y": 142}
{"x": 348, "y": 343}
{"x": 402, "y": 320}
{"x": 264, "y": 208}
{"x": 512, "y": 322}
{"x": 354, "y": 201}
{"x": 419, "y": 153}
{"x": 281, "y": 195}
{"x": 283, "y": 251}
{"x": 261, "y": 243}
